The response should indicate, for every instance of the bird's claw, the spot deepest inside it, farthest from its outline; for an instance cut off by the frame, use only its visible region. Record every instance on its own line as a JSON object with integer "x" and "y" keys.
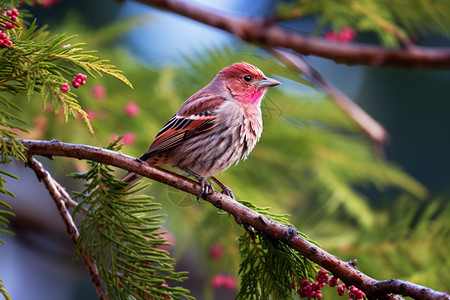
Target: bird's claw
{"x": 227, "y": 191}
{"x": 206, "y": 188}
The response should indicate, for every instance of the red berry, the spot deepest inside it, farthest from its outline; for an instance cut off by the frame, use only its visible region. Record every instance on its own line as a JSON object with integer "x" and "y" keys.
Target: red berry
{"x": 91, "y": 114}
{"x": 330, "y": 35}
{"x": 65, "y": 87}
{"x": 341, "y": 290}
{"x": 165, "y": 296}
{"x": 218, "y": 281}
{"x": 333, "y": 281}
{"x": 347, "y": 34}
{"x": 98, "y": 91}
{"x": 10, "y": 25}
{"x": 13, "y": 17}
{"x": 216, "y": 251}
{"x": 131, "y": 109}
{"x": 78, "y": 80}
{"x": 229, "y": 282}
{"x": 9, "y": 13}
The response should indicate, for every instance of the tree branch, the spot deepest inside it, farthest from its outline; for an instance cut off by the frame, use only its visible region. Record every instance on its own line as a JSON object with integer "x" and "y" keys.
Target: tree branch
{"x": 61, "y": 197}
{"x": 267, "y": 33}
{"x": 243, "y": 215}
{"x": 368, "y": 125}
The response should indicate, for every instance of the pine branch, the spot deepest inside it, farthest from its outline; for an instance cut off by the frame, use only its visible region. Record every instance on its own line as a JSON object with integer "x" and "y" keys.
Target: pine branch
{"x": 121, "y": 232}
{"x": 267, "y": 33}
{"x": 61, "y": 198}
{"x": 243, "y": 215}
{"x": 4, "y": 292}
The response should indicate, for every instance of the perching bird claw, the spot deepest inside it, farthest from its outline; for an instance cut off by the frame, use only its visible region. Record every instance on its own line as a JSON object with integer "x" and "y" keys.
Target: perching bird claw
{"x": 206, "y": 188}
{"x": 225, "y": 190}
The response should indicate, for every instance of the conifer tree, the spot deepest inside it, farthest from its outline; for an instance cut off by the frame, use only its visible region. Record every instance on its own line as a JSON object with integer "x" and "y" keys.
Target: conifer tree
{"x": 44, "y": 77}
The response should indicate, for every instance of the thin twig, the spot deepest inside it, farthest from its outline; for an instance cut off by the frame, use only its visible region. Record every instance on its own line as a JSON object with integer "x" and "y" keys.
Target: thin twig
{"x": 61, "y": 197}
{"x": 243, "y": 215}
{"x": 13, "y": 78}
{"x": 267, "y": 33}
{"x": 372, "y": 128}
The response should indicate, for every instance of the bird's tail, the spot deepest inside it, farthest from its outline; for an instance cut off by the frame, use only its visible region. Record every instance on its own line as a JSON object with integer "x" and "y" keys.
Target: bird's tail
{"x": 131, "y": 178}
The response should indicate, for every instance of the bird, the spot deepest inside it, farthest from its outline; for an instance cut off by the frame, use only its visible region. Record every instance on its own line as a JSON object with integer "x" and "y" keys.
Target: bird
{"x": 216, "y": 127}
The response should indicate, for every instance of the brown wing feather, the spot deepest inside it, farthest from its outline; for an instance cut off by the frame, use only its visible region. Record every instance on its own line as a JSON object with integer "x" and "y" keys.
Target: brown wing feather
{"x": 177, "y": 130}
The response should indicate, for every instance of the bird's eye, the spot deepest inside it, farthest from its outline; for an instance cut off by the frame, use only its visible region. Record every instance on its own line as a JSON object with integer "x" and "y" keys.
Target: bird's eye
{"x": 247, "y": 78}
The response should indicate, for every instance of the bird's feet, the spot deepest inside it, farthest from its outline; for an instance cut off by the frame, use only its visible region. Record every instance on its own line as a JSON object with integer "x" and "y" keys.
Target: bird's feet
{"x": 225, "y": 190}
{"x": 206, "y": 186}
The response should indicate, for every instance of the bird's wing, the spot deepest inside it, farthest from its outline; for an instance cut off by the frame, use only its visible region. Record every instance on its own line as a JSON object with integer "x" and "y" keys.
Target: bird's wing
{"x": 180, "y": 128}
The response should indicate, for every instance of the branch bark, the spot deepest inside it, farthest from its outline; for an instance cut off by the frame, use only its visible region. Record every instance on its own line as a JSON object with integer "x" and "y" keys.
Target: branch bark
{"x": 267, "y": 33}
{"x": 344, "y": 270}
{"x": 61, "y": 197}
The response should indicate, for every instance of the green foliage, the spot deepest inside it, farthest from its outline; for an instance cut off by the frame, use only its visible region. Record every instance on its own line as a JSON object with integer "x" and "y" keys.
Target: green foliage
{"x": 4, "y": 213}
{"x": 37, "y": 63}
{"x": 269, "y": 267}
{"x": 122, "y": 232}
{"x": 3, "y": 291}
{"x": 312, "y": 162}
{"x": 412, "y": 239}
{"x": 390, "y": 20}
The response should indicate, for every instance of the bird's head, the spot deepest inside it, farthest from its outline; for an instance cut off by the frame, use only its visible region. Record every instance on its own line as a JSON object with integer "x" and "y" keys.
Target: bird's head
{"x": 246, "y": 82}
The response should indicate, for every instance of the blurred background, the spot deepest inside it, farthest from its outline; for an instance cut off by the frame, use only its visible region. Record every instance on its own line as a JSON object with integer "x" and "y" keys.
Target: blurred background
{"x": 312, "y": 162}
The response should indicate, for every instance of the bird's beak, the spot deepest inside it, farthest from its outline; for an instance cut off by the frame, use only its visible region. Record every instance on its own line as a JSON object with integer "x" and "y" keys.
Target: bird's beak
{"x": 268, "y": 82}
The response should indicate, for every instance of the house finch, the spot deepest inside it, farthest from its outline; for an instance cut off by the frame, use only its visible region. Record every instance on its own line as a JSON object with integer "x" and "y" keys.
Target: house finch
{"x": 215, "y": 128}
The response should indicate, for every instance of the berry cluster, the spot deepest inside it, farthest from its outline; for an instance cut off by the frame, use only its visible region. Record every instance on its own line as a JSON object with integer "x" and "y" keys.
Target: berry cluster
{"x": 355, "y": 293}
{"x": 346, "y": 35}
{"x": 229, "y": 282}
{"x": 4, "y": 40}
{"x": 226, "y": 281}
{"x": 65, "y": 87}
{"x": 333, "y": 281}
{"x": 341, "y": 290}
{"x": 13, "y": 14}
{"x": 79, "y": 79}
{"x": 314, "y": 289}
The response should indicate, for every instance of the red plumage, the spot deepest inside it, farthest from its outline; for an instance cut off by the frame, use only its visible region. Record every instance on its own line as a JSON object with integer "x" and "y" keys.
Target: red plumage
{"x": 213, "y": 129}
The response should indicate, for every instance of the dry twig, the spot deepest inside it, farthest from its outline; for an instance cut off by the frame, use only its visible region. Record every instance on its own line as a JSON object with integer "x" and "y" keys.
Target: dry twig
{"x": 61, "y": 197}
